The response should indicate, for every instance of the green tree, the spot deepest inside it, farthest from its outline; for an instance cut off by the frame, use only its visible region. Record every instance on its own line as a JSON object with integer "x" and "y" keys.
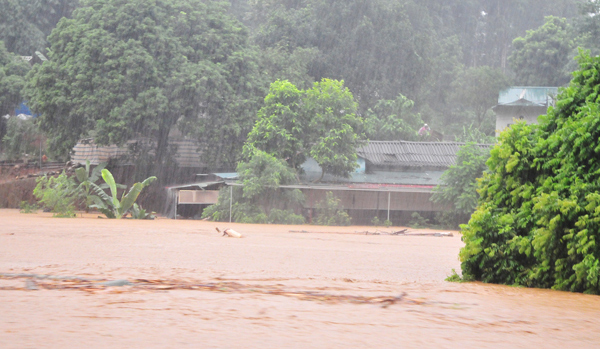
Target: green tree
{"x": 458, "y": 187}
{"x": 540, "y": 57}
{"x": 320, "y": 122}
{"x": 12, "y": 80}
{"x": 123, "y": 69}
{"x": 20, "y": 138}
{"x": 334, "y": 127}
{"x": 475, "y": 91}
{"x": 282, "y": 125}
{"x": 392, "y": 120}
{"x": 261, "y": 175}
{"x": 537, "y": 221}
{"x": 24, "y": 25}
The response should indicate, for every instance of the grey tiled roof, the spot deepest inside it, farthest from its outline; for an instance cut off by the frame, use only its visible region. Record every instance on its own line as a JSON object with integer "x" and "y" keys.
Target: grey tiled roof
{"x": 411, "y": 154}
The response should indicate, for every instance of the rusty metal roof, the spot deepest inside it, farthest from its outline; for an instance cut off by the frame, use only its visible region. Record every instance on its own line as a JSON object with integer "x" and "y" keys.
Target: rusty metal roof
{"x": 412, "y": 154}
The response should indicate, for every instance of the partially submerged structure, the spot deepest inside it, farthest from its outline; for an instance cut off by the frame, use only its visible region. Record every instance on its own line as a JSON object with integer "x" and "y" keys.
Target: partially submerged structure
{"x": 522, "y": 103}
{"x": 393, "y": 180}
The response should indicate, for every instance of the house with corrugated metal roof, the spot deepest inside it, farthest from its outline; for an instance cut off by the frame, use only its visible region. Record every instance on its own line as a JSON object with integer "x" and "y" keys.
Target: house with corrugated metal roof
{"x": 393, "y": 179}
{"x": 522, "y": 103}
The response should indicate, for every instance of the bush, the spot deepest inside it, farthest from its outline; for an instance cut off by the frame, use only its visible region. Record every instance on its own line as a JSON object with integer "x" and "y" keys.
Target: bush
{"x": 375, "y": 221}
{"x": 537, "y": 222}
{"x": 26, "y": 207}
{"x": 57, "y": 194}
{"x": 331, "y": 211}
{"x": 277, "y": 216}
{"x": 418, "y": 221}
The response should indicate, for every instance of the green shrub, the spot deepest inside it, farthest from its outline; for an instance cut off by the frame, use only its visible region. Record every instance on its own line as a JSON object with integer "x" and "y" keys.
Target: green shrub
{"x": 26, "y": 207}
{"x": 387, "y": 223}
{"x": 57, "y": 194}
{"x": 418, "y": 221}
{"x": 137, "y": 212}
{"x": 537, "y": 222}
{"x": 331, "y": 211}
{"x": 375, "y": 221}
{"x": 277, "y": 216}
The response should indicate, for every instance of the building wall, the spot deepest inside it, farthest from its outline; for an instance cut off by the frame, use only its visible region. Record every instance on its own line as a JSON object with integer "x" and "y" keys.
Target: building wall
{"x": 504, "y": 119}
{"x": 373, "y": 200}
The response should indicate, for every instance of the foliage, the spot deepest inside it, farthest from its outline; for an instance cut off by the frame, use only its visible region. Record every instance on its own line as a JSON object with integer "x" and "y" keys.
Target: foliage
{"x": 539, "y": 57}
{"x": 57, "y": 194}
{"x": 331, "y": 211}
{"x": 111, "y": 206}
{"x": 454, "y": 277}
{"x": 475, "y": 91}
{"x": 277, "y": 216}
{"x": 392, "y": 120}
{"x": 473, "y": 134}
{"x": 12, "y": 80}
{"x": 137, "y": 212}
{"x": 537, "y": 221}
{"x": 458, "y": 188}
{"x": 20, "y": 138}
{"x": 375, "y": 221}
{"x": 24, "y": 25}
{"x": 334, "y": 126}
{"x": 121, "y": 69}
{"x": 418, "y": 221}
{"x": 320, "y": 122}
{"x": 261, "y": 177}
{"x": 387, "y": 223}
{"x": 282, "y": 125}
{"x": 26, "y": 207}
{"x": 85, "y": 176}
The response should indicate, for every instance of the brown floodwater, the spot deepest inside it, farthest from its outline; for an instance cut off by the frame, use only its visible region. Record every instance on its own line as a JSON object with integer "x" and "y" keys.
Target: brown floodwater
{"x": 279, "y": 286}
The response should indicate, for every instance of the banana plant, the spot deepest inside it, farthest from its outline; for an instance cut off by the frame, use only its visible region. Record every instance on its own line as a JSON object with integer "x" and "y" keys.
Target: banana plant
{"x": 85, "y": 179}
{"x": 111, "y": 206}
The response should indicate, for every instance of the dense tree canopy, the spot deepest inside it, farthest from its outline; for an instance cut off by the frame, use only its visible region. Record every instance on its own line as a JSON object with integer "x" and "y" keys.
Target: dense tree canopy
{"x": 537, "y": 222}
{"x": 540, "y": 57}
{"x": 123, "y": 69}
{"x": 25, "y": 24}
{"x": 12, "y": 79}
{"x": 320, "y": 122}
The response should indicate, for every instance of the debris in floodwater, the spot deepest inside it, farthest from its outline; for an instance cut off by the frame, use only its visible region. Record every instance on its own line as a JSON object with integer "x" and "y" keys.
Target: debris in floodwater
{"x": 230, "y": 233}
{"x": 31, "y": 285}
{"x": 117, "y": 283}
{"x": 136, "y": 285}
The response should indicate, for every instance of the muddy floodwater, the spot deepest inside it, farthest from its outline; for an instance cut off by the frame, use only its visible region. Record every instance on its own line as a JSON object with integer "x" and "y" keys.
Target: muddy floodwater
{"x": 97, "y": 283}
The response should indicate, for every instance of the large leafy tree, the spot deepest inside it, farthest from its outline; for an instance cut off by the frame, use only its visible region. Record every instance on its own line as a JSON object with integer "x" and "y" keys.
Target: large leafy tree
{"x": 475, "y": 91}
{"x": 24, "y": 25}
{"x": 538, "y": 219}
{"x": 539, "y": 57}
{"x": 459, "y": 182}
{"x": 12, "y": 80}
{"x": 392, "y": 120}
{"x": 123, "y": 69}
{"x": 320, "y": 122}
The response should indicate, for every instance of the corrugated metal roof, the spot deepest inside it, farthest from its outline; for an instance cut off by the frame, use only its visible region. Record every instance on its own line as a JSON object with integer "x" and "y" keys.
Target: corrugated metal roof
{"x": 527, "y": 95}
{"x": 411, "y": 154}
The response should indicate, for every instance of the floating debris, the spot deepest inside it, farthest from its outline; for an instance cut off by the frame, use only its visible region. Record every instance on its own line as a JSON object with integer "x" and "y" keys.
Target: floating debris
{"x": 230, "y": 233}
{"x": 98, "y": 285}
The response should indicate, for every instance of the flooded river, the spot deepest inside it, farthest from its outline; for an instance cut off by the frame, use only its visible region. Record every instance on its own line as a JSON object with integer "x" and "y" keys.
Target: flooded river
{"x": 97, "y": 283}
